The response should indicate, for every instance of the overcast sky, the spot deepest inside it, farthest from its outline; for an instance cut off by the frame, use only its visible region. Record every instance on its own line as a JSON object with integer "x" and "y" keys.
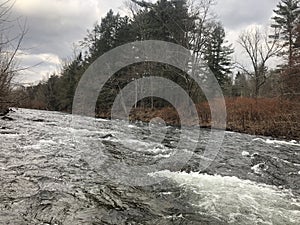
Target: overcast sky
{"x": 56, "y": 26}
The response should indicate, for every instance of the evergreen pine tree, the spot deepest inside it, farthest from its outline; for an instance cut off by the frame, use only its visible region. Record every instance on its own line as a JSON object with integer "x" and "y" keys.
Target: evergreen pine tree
{"x": 285, "y": 21}
{"x": 113, "y": 31}
{"x": 166, "y": 20}
{"x": 217, "y": 54}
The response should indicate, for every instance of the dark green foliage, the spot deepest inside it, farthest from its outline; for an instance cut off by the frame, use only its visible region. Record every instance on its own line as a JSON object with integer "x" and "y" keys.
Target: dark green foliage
{"x": 167, "y": 20}
{"x": 68, "y": 82}
{"x": 113, "y": 31}
{"x": 285, "y": 22}
{"x": 217, "y": 55}
{"x": 57, "y": 93}
{"x": 164, "y": 20}
{"x": 241, "y": 87}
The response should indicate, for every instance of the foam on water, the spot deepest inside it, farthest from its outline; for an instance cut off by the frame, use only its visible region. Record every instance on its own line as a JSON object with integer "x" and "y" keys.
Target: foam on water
{"x": 163, "y": 156}
{"x": 36, "y": 147}
{"x": 143, "y": 146}
{"x": 40, "y": 144}
{"x": 259, "y": 168}
{"x": 9, "y": 135}
{"x": 47, "y": 142}
{"x": 245, "y": 153}
{"x": 277, "y": 142}
{"x": 237, "y": 201}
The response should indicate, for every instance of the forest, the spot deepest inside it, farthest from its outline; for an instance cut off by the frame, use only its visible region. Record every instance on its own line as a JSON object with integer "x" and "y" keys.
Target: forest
{"x": 260, "y": 99}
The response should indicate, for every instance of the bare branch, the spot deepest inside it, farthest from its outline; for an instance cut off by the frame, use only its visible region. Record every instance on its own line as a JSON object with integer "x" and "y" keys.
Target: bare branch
{"x": 9, "y": 48}
{"x": 12, "y": 57}
{"x": 259, "y": 50}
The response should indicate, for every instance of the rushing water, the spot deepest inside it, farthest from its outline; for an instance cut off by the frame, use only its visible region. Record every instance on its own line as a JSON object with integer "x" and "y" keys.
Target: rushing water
{"x": 55, "y": 173}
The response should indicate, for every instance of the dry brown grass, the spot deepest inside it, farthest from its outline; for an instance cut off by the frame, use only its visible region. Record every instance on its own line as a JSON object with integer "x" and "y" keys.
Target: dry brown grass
{"x": 168, "y": 114}
{"x": 263, "y": 116}
{"x": 270, "y": 117}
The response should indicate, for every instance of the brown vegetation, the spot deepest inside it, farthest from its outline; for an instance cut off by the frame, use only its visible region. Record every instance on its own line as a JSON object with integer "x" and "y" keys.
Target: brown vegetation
{"x": 269, "y": 117}
{"x": 263, "y": 116}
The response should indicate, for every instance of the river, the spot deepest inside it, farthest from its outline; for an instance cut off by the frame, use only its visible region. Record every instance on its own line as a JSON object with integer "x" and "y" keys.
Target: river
{"x": 55, "y": 172}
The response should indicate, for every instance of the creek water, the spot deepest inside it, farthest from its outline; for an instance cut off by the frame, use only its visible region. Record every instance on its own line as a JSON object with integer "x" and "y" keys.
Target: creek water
{"x": 55, "y": 172}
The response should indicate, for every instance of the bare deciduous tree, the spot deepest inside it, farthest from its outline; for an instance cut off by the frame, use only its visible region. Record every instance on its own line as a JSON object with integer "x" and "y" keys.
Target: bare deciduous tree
{"x": 259, "y": 49}
{"x": 201, "y": 12}
{"x": 9, "y": 48}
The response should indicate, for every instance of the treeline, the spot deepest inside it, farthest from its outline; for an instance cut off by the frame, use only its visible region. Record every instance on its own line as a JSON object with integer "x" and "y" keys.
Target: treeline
{"x": 194, "y": 26}
{"x": 172, "y": 21}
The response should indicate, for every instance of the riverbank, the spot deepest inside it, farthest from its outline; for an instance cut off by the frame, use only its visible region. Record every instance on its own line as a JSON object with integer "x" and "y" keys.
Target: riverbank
{"x": 274, "y": 117}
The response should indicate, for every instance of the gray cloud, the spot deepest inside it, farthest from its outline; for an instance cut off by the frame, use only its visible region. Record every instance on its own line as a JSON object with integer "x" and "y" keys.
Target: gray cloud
{"x": 55, "y": 25}
{"x": 236, "y": 14}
